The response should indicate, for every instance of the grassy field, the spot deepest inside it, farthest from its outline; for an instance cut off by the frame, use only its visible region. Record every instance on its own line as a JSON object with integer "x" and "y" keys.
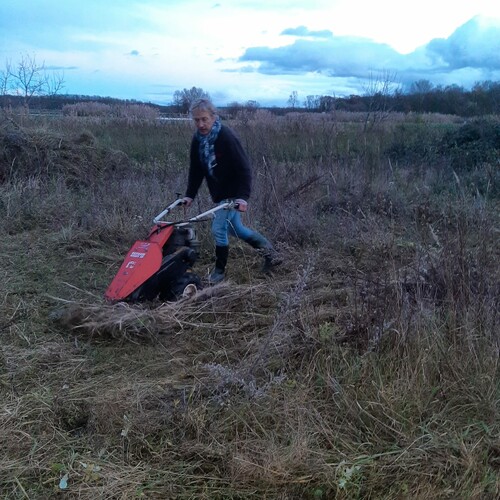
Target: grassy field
{"x": 366, "y": 367}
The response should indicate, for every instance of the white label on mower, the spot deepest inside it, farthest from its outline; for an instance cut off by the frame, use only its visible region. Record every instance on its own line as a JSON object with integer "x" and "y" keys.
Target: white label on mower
{"x": 137, "y": 255}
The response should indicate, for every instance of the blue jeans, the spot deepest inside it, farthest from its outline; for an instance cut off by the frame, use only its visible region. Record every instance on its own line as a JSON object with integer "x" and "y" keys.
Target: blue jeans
{"x": 228, "y": 223}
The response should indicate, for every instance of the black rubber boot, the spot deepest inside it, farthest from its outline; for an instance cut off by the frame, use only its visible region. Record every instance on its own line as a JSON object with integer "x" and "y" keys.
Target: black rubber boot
{"x": 271, "y": 259}
{"x": 271, "y": 256}
{"x": 221, "y": 255}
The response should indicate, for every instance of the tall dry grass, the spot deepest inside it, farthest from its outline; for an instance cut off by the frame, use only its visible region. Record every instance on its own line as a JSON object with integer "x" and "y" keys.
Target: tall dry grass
{"x": 367, "y": 367}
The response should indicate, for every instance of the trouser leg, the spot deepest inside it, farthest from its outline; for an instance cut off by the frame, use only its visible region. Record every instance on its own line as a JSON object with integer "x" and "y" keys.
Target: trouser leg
{"x": 230, "y": 222}
{"x": 257, "y": 241}
{"x": 265, "y": 248}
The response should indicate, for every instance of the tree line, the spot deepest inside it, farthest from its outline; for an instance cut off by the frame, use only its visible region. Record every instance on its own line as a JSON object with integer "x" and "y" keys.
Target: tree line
{"x": 29, "y": 84}
{"x": 422, "y": 97}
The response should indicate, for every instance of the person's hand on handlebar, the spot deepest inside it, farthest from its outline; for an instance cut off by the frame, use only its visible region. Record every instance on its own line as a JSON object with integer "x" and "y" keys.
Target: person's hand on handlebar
{"x": 186, "y": 201}
{"x": 241, "y": 205}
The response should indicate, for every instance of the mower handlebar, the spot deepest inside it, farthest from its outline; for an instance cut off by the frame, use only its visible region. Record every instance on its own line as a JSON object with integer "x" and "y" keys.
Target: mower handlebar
{"x": 176, "y": 203}
{"x": 204, "y": 215}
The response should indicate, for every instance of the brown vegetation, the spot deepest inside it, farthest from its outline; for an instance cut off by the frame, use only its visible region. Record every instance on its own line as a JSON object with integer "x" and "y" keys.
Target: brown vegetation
{"x": 367, "y": 367}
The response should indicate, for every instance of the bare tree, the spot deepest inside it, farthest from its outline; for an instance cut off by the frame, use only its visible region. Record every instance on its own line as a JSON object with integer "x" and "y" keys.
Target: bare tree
{"x": 55, "y": 83}
{"x": 27, "y": 78}
{"x": 4, "y": 81}
{"x": 379, "y": 91}
{"x": 312, "y": 102}
{"x": 421, "y": 87}
{"x": 184, "y": 98}
{"x": 293, "y": 100}
{"x": 252, "y": 106}
{"x": 327, "y": 103}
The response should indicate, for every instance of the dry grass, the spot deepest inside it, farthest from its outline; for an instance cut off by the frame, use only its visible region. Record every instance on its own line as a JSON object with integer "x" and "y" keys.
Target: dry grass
{"x": 366, "y": 367}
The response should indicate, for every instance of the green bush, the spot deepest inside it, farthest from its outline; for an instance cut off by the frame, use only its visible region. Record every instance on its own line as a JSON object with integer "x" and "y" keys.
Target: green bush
{"x": 474, "y": 143}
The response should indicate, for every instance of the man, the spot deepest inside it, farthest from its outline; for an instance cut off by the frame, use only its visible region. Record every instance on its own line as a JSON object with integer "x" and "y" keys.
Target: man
{"x": 217, "y": 156}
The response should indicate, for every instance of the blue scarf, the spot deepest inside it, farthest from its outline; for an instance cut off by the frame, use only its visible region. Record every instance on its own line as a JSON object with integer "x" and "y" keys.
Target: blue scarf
{"x": 206, "y": 148}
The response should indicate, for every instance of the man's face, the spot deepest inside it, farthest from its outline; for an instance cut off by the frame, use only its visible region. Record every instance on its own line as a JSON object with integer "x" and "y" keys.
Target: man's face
{"x": 203, "y": 120}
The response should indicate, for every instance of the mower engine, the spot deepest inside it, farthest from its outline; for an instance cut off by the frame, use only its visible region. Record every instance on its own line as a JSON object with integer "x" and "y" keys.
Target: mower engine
{"x": 179, "y": 254}
{"x": 161, "y": 265}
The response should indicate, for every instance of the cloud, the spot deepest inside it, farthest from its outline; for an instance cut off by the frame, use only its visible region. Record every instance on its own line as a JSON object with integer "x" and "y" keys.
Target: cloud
{"x": 475, "y": 44}
{"x": 470, "y": 53}
{"x": 61, "y": 68}
{"x": 304, "y": 32}
{"x": 338, "y": 56}
{"x": 255, "y": 48}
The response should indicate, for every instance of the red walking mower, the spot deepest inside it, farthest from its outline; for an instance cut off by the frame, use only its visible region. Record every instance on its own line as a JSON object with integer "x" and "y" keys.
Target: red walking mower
{"x": 161, "y": 265}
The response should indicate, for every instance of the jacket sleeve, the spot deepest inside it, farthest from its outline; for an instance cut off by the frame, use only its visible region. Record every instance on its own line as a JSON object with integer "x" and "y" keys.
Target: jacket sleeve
{"x": 195, "y": 176}
{"x": 241, "y": 165}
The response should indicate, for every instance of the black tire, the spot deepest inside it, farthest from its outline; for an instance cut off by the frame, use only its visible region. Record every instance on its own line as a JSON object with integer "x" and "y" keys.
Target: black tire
{"x": 146, "y": 292}
{"x": 174, "y": 275}
{"x": 179, "y": 285}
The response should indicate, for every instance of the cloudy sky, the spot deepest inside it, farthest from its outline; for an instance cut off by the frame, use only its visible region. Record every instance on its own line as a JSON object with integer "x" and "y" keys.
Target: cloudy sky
{"x": 262, "y": 50}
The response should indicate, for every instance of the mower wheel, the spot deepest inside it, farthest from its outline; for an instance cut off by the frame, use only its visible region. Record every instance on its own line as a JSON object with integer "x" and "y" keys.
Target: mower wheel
{"x": 146, "y": 292}
{"x": 181, "y": 285}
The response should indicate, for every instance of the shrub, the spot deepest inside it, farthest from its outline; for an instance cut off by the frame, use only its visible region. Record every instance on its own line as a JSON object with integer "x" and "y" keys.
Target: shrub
{"x": 474, "y": 143}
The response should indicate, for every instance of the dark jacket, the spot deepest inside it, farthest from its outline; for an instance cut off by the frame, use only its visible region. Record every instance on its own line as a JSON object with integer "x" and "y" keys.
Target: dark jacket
{"x": 231, "y": 176}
